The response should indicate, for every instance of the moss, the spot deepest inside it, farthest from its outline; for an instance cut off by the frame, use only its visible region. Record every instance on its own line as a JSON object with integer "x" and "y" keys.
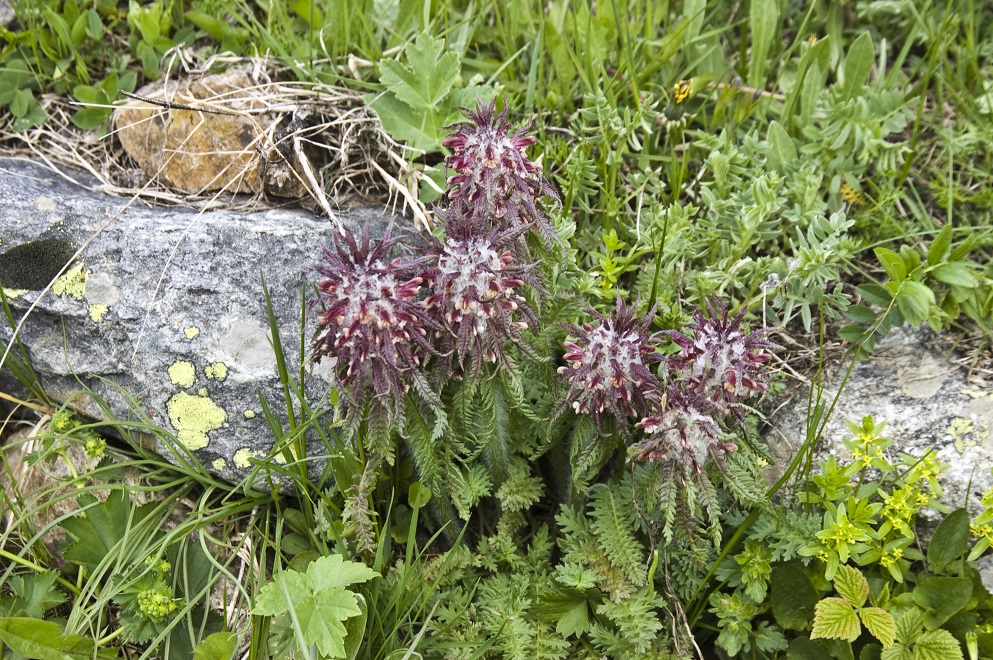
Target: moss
{"x": 33, "y": 265}
{"x": 182, "y": 374}
{"x": 194, "y": 417}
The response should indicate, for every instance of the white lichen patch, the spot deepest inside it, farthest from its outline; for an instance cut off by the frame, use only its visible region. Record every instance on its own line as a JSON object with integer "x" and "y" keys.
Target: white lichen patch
{"x": 97, "y": 312}
{"x": 967, "y": 433}
{"x": 72, "y": 283}
{"x": 182, "y": 373}
{"x": 191, "y": 332}
{"x": 249, "y": 414}
{"x": 218, "y": 464}
{"x": 242, "y": 456}
{"x": 45, "y": 204}
{"x": 194, "y": 417}
{"x": 216, "y": 371}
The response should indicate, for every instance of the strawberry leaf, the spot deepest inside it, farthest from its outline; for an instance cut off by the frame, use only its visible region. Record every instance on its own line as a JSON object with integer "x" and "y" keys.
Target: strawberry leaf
{"x": 880, "y": 624}
{"x": 834, "y": 618}
{"x": 851, "y": 585}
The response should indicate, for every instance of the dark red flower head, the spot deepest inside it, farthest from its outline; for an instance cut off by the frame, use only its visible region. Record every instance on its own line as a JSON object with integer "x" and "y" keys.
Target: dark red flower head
{"x": 721, "y": 360}
{"x": 476, "y": 284}
{"x": 371, "y": 323}
{"x": 683, "y": 428}
{"x": 609, "y": 366}
{"x": 493, "y": 179}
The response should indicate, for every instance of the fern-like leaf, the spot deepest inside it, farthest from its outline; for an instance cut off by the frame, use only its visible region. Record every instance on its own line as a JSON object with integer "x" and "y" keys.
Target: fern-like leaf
{"x": 613, "y": 524}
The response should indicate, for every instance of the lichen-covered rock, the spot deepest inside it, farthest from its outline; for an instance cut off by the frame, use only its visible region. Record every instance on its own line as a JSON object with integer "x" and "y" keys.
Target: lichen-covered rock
{"x": 926, "y": 402}
{"x": 164, "y": 309}
{"x": 232, "y": 149}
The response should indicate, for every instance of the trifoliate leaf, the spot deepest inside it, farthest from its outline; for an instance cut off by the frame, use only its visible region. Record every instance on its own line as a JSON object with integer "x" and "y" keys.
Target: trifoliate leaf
{"x": 851, "y": 585}
{"x": 880, "y": 624}
{"x": 834, "y": 618}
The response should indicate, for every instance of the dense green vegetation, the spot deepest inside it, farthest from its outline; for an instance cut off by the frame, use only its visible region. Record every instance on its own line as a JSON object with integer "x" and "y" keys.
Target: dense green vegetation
{"x": 821, "y": 169}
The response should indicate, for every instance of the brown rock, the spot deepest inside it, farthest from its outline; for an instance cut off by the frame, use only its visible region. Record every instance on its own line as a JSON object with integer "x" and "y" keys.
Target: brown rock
{"x": 216, "y": 145}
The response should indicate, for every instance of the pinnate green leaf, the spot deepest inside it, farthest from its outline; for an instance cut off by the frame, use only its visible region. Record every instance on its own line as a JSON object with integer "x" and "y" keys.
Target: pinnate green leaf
{"x": 880, "y": 624}
{"x": 851, "y": 585}
{"x": 937, "y": 645}
{"x": 834, "y": 618}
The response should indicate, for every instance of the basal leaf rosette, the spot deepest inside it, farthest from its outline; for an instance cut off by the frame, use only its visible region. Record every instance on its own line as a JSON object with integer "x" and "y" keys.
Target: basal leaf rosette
{"x": 492, "y": 177}
{"x": 608, "y": 370}
{"x": 476, "y": 296}
{"x": 720, "y": 360}
{"x": 372, "y": 322}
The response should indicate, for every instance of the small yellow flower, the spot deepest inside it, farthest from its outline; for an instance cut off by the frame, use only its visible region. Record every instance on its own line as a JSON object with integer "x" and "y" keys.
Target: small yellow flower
{"x": 850, "y": 195}
{"x": 681, "y": 90}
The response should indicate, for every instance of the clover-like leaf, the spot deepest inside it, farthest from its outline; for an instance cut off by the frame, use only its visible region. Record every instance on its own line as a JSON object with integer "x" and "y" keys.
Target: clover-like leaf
{"x": 834, "y": 618}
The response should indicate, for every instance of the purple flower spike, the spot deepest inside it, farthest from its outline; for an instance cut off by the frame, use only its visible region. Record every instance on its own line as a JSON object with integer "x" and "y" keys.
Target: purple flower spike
{"x": 609, "y": 366}
{"x": 721, "y": 361}
{"x": 372, "y": 322}
{"x": 493, "y": 179}
{"x": 476, "y": 298}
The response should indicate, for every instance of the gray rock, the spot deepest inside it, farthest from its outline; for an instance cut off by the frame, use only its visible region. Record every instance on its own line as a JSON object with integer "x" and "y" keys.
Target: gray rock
{"x": 926, "y": 402}
{"x": 164, "y": 309}
{"x": 7, "y": 14}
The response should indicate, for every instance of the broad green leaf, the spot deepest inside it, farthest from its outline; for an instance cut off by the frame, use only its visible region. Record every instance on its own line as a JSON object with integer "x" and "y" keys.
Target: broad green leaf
{"x": 418, "y": 130}
{"x": 892, "y": 264}
{"x": 861, "y": 314}
{"x": 764, "y": 23}
{"x": 286, "y": 588}
{"x": 880, "y": 624}
{"x": 851, "y": 585}
{"x": 334, "y": 571}
{"x": 428, "y": 79}
{"x": 43, "y": 640}
{"x": 909, "y": 625}
{"x": 100, "y": 532}
{"x": 834, "y": 618}
{"x": 875, "y": 294}
{"x": 859, "y": 59}
{"x": 793, "y": 597}
{"x": 802, "y": 648}
{"x": 219, "y": 646}
{"x": 955, "y": 273}
{"x": 91, "y": 118}
{"x": 418, "y": 495}
{"x": 914, "y": 301}
{"x": 950, "y": 540}
{"x": 34, "y": 594}
{"x": 940, "y": 246}
{"x": 937, "y": 645}
{"x": 355, "y": 629}
{"x": 575, "y": 621}
{"x": 783, "y": 149}
{"x": 941, "y": 598}
{"x": 94, "y": 25}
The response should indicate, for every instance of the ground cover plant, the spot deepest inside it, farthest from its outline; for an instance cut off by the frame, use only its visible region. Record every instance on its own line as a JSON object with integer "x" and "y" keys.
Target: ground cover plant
{"x": 545, "y": 439}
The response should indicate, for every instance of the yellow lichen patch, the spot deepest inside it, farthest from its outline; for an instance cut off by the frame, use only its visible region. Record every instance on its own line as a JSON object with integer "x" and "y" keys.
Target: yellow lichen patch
{"x": 976, "y": 394}
{"x": 14, "y": 293}
{"x": 202, "y": 391}
{"x": 279, "y": 458}
{"x": 193, "y": 417}
{"x": 72, "y": 283}
{"x": 97, "y": 312}
{"x": 191, "y": 332}
{"x": 182, "y": 374}
{"x": 249, "y": 414}
{"x": 242, "y": 456}
{"x": 218, "y": 464}
{"x": 967, "y": 433}
{"x": 217, "y": 371}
